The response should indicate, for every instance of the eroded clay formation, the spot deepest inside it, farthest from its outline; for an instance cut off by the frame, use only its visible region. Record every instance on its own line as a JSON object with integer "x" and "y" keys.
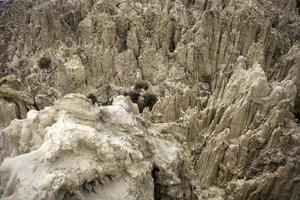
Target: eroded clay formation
{"x": 160, "y": 100}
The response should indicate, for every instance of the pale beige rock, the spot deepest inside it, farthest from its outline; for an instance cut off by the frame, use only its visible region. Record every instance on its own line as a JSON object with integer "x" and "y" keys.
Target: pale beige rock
{"x": 8, "y": 112}
{"x": 226, "y": 75}
{"x": 74, "y": 149}
{"x": 75, "y": 72}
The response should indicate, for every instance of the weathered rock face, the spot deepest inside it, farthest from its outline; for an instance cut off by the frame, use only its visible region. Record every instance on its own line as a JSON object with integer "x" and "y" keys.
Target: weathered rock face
{"x": 249, "y": 137}
{"x": 74, "y": 150}
{"x": 225, "y": 74}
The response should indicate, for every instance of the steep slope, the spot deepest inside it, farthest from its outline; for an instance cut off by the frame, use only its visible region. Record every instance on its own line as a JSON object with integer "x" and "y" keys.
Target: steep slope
{"x": 218, "y": 78}
{"x": 75, "y": 150}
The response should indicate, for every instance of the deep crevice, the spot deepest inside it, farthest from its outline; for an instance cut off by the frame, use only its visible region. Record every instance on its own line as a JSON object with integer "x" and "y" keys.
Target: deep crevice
{"x": 297, "y": 115}
{"x": 122, "y": 32}
{"x": 172, "y": 41}
{"x": 298, "y": 5}
{"x": 65, "y": 194}
{"x": 157, "y": 186}
{"x": 257, "y": 34}
{"x": 190, "y": 3}
{"x": 205, "y": 4}
{"x": 223, "y": 4}
{"x": 172, "y": 45}
{"x": 297, "y": 108}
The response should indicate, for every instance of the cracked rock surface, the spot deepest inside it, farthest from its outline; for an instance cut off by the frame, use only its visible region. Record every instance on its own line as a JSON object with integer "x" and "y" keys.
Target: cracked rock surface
{"x": 162, "y": 99}
{"x": 73, "y": 150}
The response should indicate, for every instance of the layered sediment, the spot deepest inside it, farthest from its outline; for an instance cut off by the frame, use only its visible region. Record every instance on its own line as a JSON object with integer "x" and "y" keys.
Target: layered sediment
{"x": 186, "y": 99}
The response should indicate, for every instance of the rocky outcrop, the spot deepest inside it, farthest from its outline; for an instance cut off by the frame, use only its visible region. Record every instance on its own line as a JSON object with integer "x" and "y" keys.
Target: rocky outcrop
{"x": 74, "y": 150}
{"x": 115, "y": 41}
{"x": 224, "y": 75}
{"x": 250, "y": 137}
{"x": 16, "y": 102}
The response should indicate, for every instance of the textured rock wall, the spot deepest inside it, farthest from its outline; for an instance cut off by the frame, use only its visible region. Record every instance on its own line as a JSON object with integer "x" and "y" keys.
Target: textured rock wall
{"x": 225, "y": 72}
{"x": 75, "y": 150}
{"x": 116, "y": 41}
